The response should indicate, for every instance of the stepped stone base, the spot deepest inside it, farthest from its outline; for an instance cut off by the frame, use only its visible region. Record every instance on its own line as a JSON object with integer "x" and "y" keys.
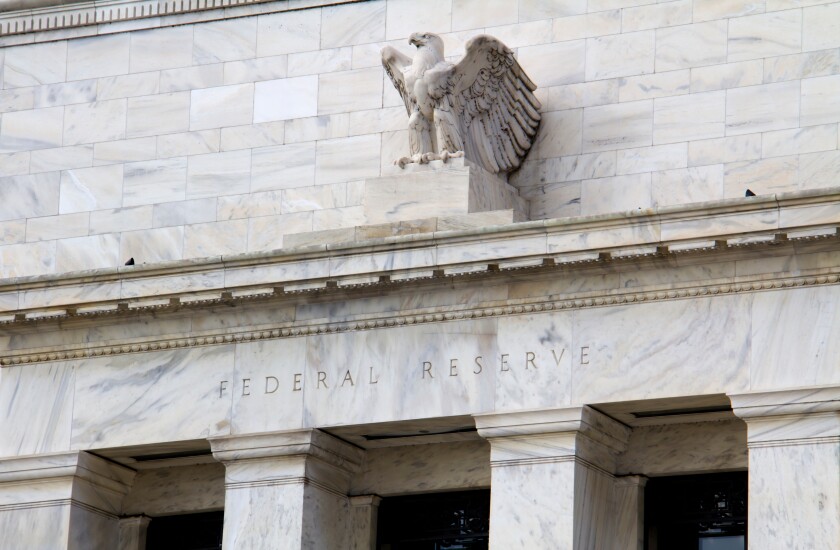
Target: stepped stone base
{"x": 427, "y": 198}
{"x": 437, "y": 189}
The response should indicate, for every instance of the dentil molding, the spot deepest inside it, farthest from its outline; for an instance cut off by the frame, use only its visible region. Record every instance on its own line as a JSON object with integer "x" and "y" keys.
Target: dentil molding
{"x": 44, "y": 20}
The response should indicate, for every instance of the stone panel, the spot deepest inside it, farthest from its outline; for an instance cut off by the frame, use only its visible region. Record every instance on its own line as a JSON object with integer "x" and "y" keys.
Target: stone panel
{"x": 114, "y": 406}
{"x": 97, "y": 56}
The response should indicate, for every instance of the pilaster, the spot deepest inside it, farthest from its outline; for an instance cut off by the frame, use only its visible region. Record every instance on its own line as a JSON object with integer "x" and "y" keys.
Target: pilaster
{"x": 64, "y": 500}
{"x": 133, "y": 531}
{"x": 286, "y": 490}
{"x": 365, "y": 509}
{"x": 552, "y": 477}
{"x": 630, "y": 512}
{"x": 793, "y": 438}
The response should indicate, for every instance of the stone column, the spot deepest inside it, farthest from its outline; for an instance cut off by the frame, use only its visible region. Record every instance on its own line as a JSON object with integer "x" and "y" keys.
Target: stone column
{"x": 365, "y": 515}
{"x": 630, "y": 512}
{"x": 551, "y": 483}
{"x": 793, "y": 438}
{"x": 133, "y": 532}
{"x": 64, "y": 500}
{"x": 286, "y": 490}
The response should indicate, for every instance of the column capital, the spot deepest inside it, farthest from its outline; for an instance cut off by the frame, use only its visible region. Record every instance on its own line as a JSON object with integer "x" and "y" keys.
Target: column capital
{"x": 547, "y": 435}
{"x": 76, "y": 476}
{"x": 631, "y": 481}
{"x": 286, "y": 457}
{"x": 793, "y": 401}
{"x": 365, "y": 500}
{"x": 584, "y": 420}
{"x": 288, "y": 443}
{"x": 789, "y": 417}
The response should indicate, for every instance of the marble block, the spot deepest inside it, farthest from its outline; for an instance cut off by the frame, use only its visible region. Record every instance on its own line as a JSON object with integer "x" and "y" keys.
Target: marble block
{"x": 438, "y": 189}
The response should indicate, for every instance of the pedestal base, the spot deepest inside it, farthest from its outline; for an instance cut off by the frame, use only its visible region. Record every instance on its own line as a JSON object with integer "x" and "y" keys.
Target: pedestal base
{"x": 425, "y": 198}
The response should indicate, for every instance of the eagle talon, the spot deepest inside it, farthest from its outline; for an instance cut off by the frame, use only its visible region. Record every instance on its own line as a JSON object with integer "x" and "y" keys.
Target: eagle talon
{"x": 402, "y": 161}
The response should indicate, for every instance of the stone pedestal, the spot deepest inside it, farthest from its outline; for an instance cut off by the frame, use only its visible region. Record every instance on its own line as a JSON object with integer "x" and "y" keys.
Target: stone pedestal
{"x": 424, "y": 198}
{"x": 439, "y": 189}
{"x": 552, "y": 478}
{"x": 794, "y": 467}
{"x": 67, "y": 500}
{"x": 286, "y": 490}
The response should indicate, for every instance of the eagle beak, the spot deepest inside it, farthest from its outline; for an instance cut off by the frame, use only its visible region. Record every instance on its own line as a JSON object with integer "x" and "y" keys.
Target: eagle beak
{"x": 414, "y": 40}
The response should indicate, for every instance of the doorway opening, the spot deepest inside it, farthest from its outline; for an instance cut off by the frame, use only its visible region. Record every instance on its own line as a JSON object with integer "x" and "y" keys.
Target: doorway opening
{"x": 186, "y": 532}
{"x": 439, "y": 521}
{"x": 702, "y": 512}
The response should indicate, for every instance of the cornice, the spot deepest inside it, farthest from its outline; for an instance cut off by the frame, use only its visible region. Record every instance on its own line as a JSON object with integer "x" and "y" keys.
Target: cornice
{"x": 296, "y": 329}
{"x": 571, "y": 243}
{"x": 700, "y": 233}
{"x": 26, "y": 21}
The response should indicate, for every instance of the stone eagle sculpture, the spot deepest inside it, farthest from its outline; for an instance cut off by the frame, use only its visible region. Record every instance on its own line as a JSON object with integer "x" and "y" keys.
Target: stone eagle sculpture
{"x": 483, "y": 107}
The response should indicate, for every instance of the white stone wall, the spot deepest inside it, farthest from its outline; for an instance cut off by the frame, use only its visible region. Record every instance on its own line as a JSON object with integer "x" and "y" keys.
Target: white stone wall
{"x": 221, "y": 137}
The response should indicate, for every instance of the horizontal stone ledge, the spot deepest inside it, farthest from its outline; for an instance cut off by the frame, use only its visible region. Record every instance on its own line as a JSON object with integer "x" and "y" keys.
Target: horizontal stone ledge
{"x": 503, "y": 308}
{"x": 574, "y": 243}
{"x": 27, "y": 21}
{"x": 763, "y": 404}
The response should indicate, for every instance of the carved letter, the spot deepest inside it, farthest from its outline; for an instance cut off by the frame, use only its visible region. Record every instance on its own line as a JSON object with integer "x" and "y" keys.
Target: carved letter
{"x": 246, "y": 389}
{"x": 322, "y": 378}
{"x": 453, "y": 367}
{"x": 557, "y": 359}
{"x": 296, "y": 384}
{"x": 478, "y": 364}
{"x": 222, "y": 387}
{"x": 505, "y": 366}
{"x": 529, "y": 358}
{"x": 346, "y": 378}
{"x": 370, "y": 377}
{"x": 584, "y": 355}
{"x": 427, "y": 367}
{"x": 276, "y": 384}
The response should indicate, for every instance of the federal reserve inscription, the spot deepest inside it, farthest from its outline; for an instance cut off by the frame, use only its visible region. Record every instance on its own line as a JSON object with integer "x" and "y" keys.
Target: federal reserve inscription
{"x": 426, "y": 369}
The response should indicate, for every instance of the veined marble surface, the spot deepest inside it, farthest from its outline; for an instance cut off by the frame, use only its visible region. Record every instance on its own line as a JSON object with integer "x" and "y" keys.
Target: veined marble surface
{"x": 424, "y": 468}
{"x": 685, "y": 448}
{"x": 37, "y": 409}
{"x": 176, "y": 489}
{"x": 444, "y": 367}
{"x": 170, "y": 398}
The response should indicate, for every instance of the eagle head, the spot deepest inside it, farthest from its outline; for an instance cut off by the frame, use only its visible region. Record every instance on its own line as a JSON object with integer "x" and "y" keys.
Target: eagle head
{"x": 427, "y": 39}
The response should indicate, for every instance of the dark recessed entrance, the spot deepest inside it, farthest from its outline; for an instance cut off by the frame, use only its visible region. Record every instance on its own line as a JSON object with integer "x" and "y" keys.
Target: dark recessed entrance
{"x": 440, "y": 521}
{"x": 699, "y": 512}
{"x": 186, "y": 532}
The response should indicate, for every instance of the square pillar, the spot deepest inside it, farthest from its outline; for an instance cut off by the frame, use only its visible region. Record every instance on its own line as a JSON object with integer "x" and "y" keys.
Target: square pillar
{"x": 365, "y": 509}
{"x": 793, "y": 439}
{"x": 630, "y": 512}
{"x": 286, "y": 490}
{"x": 64, "y": 500}
{"x": 552, "y": 483}
{"x": 133, "y": 531}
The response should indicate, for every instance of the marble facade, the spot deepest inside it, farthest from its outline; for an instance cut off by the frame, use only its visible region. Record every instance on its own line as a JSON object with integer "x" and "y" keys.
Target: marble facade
{"x": 310, "y": 330}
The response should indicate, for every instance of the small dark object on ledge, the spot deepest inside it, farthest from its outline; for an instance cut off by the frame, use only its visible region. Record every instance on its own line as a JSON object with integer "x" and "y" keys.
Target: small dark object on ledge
{"x": 130, "y": 261}
{"x": 749, "y": 193}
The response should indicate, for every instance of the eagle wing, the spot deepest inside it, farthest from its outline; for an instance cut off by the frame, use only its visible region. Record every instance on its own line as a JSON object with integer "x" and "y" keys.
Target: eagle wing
{"x": 493, "y": 100}
{"x": 394, "y": 62}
